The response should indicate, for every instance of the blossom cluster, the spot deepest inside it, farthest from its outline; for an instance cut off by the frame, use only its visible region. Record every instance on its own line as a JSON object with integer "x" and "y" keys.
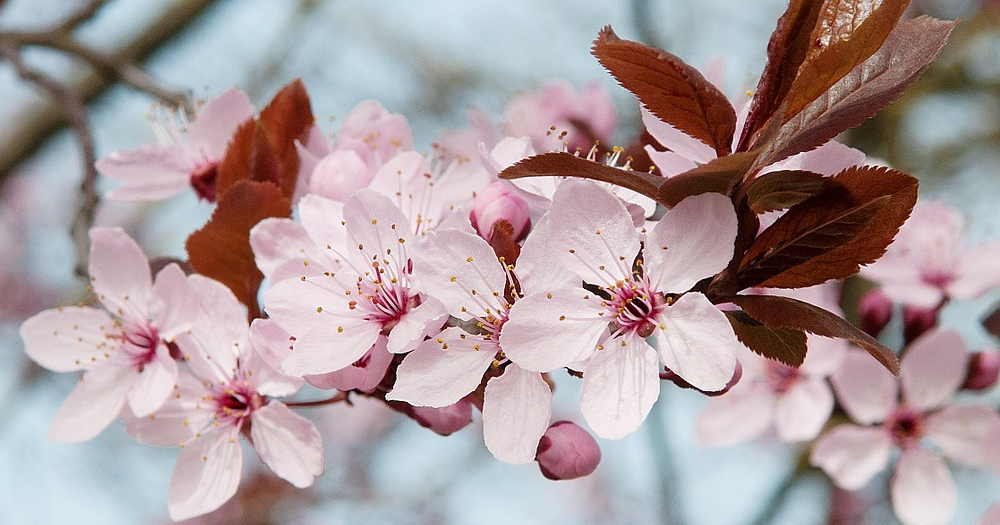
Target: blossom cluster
{"x": 707, "y": 253}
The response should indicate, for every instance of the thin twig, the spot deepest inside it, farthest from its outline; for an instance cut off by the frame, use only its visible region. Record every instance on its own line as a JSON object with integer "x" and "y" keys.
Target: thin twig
{"x": 76, "y": 114}
{"x": 85, "y": 13}
{"x": 340, "y": 397}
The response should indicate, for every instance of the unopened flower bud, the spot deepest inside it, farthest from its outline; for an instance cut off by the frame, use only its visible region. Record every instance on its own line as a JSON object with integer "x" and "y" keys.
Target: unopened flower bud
{"x": 340, "y": 174}
{"x": 497, "y": 203}
{"x": 672, "y": 376}
{"x": 917, "y": 320}
{"x": 875, "y": 310}
{"x": 567, "y": 451}
{"x": 984, "y": 370}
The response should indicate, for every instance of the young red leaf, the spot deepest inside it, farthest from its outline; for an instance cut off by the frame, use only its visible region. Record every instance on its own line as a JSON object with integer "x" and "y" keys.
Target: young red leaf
{"x": 221, "y": 248}
{"x": 720, "y": 175}
{"x": 236, "y": 164}
{"x": 780, "y": 190}
{"x": 787, "y": 48}
{"x": 784, "y": 345}
{"x": 672, "y": 90}
{"x": 567, "y": 165}
{"x": 848, "y": 32}
{"x": 286, "y": 119}
{"x": 898, "y": 192}
{"x": 787, "y": 313}
{"x": 859, "y": 95}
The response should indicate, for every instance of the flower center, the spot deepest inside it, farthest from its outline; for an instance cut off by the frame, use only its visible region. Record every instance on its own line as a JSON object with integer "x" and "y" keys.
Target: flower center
{"x": 139, "y": 344}
{"x": 203, "y": 181}
{"x": 235, "y": 402}
{"x": 780, "y": 377}
{"x": 634, "y": 307}
{"x": 387, "y": 297}
{"x": 905, "y": 426}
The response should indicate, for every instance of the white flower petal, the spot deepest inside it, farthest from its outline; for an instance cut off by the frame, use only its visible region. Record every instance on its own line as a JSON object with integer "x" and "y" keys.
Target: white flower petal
{"x": 119, "y": 273}
{"x": 923, "y": 492}
{"x": 173, "y": 305}
{"x": 620, "y": 385}
{"x": 215, "y": 124}
{"x": 288, "y": 443}
{"x": 697, "y": 342}
{"x": 176, "y": 421}
{"x": 207, "y": 474}
{"x": 740, "y": 415}
{"x": 803, "y": 410}
{"x": 865, "y": 388}
{"x": 152, "y": 386}
{"x": 550, "y": 330}
{"x": 962, "y": 431}
{"x": 933, "y": 368}
{"x": 415, "y": 325}
{"x": 676, "y": 140}
{"x": 452, "y": 265}
{"x": 443, "y": 369}
{"x": 516, "y": 410}
{"x": 92, "y": 405}
{"x": 68, "y": 338}
{"x": 851, "y": 455}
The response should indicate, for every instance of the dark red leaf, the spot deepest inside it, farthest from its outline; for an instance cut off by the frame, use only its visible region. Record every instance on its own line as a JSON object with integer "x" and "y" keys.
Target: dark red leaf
{"x": 236, "y": 164}
{"x": 568, "y": 165}
{"x": 992, "y": 323}
{"x": 286, "y": 119}
{"x": 784, "y": 345}
{"x": 221, "y": 248}
{"x": 787, "y": 313}
{"x": 787, "y": 48}
{"x": 779, "y": 190}
{"x": 869, "y": 87}
{"x": 672, "y": 90}
{"x": 719, "y": 175}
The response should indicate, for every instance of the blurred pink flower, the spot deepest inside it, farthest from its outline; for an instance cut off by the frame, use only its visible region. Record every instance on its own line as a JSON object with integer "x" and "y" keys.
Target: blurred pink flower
{"x": 932, "y": 370}
{"x": 586, "y": 116}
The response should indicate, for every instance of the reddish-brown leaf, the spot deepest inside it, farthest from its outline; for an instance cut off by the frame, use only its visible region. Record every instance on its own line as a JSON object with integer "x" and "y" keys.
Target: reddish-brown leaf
{"x": 720, "y": 175}
{"x": 784, "y": 345}
{"x": 787, "y": 313}
{"x": 568, "y": 165}
{"x": 992, "y": 323}
{"x": 672, "y": 90}
{"x": 235, "y": 165}
{"x": 286, "y": 119}
{"x": 787, "y": 48}
{"x": 847, "y": 33}
{"x": 221, "y": 248}
{"x": 779, "y": 190}
{"x": 870, "y": 86}
{"x": 865, "y": 184}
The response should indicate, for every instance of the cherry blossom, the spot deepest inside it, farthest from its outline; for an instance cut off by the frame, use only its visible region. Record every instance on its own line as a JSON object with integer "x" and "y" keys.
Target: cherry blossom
{"x": 565, "y": 326}
{"x": 337, "y": 307}
{"x": 228, "y": 391}
{"x": 586, "y": 116}
{"x": 186, "y": 155}
{"x": 497, "y": 203}
{"x": 928, "y": 263}
{"x": 932, "y": 370}
{"x": 478, "y": 288}
{"x": 567, "y": 451}
{"x": 124, "y": 350}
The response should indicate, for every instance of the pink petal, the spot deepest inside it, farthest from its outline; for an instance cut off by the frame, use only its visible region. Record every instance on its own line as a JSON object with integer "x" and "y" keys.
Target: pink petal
{"x": 516, "y": 410}
{"x": 669, "y": 163}
{"x": 676, "y": 140}
{"x": 992, "y": 448}
{"x": 824, "y": 356}
{"x": 219, "y": 331}
{"x": 68, "y": 338}
{"x": 596, "y": 239}
{"x": 923, "y": 492}
{"x": 338, "y": 175}
{"x": 991, "y": 517}
{"x": 693, "y": 241}
{"x": 272, "y": 343}
{"x": 154, "y": 384}
{"x": 276, "y": 241}
{"x": 851, "y": 455}
{"x": 976, "y": 273}
{"x": 178, "y": 420}
{"x": 443, "y": 369}
{"x": 288, "y": 443}
{"x": 174, "y": 305}
{"x": 803, "y": 410}
{"x": 360, "y": 375}
{"x": 962, "y": 431}
{"x": 327, "y": 349}
{"x": 271, "y": 346}
{"x": 151, "y": 172}
{"x": 215, "y": 124}
{"x": 207, "y": 474}
{"x": 376, "y": 228}
{"x": 737, "y": 416}
{"x": 415, "y": 325}
{"x": 865, "y": 389}
{"x": 550, "y": 330}
{"x": 829, "y": 159}
{"x": 538, "y": 266}
{"x": 697, "y": 342}
{"x": 119, "y": 273}
{"x": 471, "y": 266}
{"x": 620, "y": 385}
{"x": 321, "y": 218}
{"x": 933, "y": 368}
{"x": 92, "y": 405}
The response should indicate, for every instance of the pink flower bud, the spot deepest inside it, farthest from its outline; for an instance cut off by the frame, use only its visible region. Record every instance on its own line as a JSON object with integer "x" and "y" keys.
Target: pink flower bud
{"x": 497, "y": 203}
{"x": 445, "y": 420}
{"x": 670, "y": 375}
{"x": 917, "y": 320}
{"x": 984, "y": 370}
{"x": 875, "y": 310}
{"x": 340, "y": 174}
{"x": 567, "y": 451}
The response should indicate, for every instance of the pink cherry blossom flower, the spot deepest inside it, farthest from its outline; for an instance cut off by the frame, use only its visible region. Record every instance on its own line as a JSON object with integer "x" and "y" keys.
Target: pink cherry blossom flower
{"x": 586, "y": 116}
{"x": 927, "y": 262}
{"x": 559, "y": 326}
{"x": 125, "y": 350}
{"x": 797, "y": 401}
{"x": 228, "y": 392}
{"x": 932, "y": 370}
{"x": 497, "y": 203}
{"x": 185, "y": 155}
{"x": 476, "y": 287}
{"x": 337, "y": 307}
{"x": 285, "y": 248}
